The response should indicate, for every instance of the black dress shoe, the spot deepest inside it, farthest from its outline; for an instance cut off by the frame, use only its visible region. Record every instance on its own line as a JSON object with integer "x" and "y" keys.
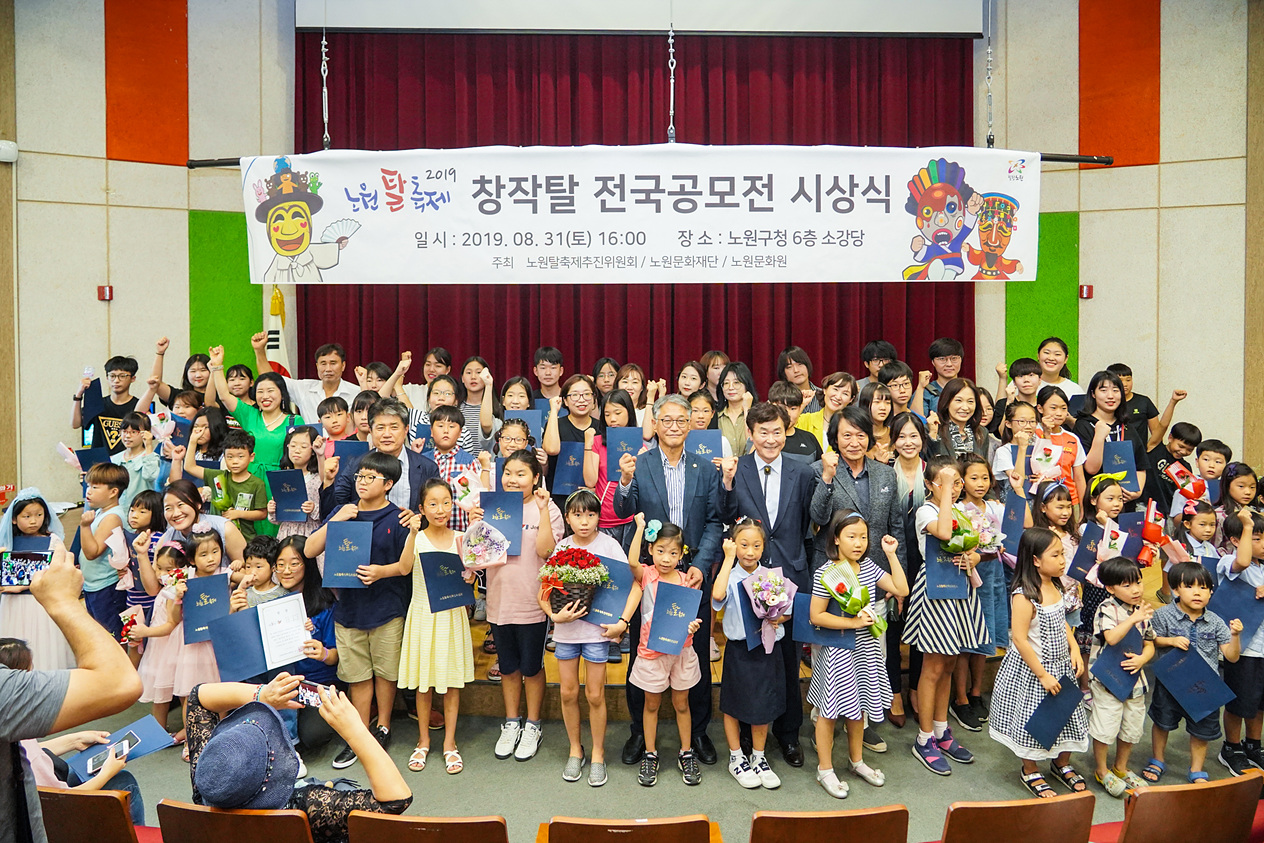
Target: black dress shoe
{"x": 793, "y": 753}
{"x": 634, "y": 749}
{"x": 704, "y": 749}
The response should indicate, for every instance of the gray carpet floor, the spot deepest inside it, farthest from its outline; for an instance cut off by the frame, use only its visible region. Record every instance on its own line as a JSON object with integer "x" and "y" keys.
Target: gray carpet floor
{"x": 529, "y": 793}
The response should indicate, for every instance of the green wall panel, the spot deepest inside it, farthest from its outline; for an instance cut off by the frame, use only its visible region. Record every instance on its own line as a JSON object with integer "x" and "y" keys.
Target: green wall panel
{"x": 224, "y": 307}
{"x": 1048, "y": 306}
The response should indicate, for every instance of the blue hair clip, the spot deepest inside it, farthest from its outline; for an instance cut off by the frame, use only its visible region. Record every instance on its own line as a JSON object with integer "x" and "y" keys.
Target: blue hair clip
{"x": 651, "y": 530}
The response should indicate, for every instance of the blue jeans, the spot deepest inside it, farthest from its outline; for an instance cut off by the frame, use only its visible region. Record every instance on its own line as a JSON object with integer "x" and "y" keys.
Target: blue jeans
{"x": 123, "y": 780}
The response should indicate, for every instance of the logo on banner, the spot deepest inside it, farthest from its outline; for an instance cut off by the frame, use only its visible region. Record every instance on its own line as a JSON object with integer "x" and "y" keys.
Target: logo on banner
{"x": 947, "y": 211}
{"x": 287, "y": 202}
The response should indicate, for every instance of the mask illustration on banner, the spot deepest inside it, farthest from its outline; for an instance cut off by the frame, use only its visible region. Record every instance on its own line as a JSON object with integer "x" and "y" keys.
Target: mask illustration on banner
{"x": 945, "y": 210}
{"x": 287, "y": 202}
{"x": 997, "y": 220}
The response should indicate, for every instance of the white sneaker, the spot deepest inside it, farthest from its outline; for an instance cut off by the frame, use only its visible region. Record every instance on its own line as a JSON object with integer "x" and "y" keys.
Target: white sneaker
{"x": 715, "y": 651}
{"x": 740, "y": 770}
{"x": 510, "y": 732}
{"x": 767, "y": 778}
{"x": 480, "y": 609}
{"x": 302, "y": 769}
{"x": 528, "y": 743}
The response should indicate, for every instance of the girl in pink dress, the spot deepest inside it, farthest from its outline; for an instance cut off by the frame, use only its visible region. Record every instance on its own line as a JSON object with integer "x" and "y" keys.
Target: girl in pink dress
{"x": 170, "y": 667}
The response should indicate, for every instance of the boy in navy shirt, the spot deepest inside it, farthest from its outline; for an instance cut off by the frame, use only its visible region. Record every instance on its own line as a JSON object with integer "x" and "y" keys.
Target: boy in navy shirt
{"x": 369, "y": 622}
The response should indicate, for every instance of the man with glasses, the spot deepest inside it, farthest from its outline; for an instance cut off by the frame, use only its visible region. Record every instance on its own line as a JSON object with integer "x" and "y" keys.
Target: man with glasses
{"x": 388, "y": 422}
{"x": 107, "y": 431}
{"x": 946, "y": 355}
{"x": 672, "y": 486}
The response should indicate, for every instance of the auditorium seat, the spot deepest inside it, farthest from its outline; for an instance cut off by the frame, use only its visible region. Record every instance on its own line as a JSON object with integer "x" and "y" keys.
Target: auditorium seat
{"x": 1225, "y": 811}
{"x": 370, "y": 827}
{"x": 103, "y": 816}
{"x": 198, "y": 824}
{"x": 888, "y": 824}
{"x": 691, "y": 829}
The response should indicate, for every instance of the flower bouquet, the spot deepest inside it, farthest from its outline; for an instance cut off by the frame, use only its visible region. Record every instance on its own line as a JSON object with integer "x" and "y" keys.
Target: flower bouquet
{"x": 131, "y": 616}
{"x": 844, "y": 586}
{"x": 771, "y": 594}
{"x": 964, "y": 536}
{"x": 483, "y": 546}
{"x": 1191, "y": 487}
{"x": 572, "y": 574}
{"x": 173, "y": 577}
{"x": 466, "y": 488}
{"x": 988, "y": 529}
{"x": 1046, "y": 458}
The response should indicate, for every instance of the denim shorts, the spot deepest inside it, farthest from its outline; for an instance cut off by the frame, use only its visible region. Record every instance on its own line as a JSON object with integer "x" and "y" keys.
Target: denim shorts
{"x": 1167, "y": 714}
{"x": 597, "y": 653}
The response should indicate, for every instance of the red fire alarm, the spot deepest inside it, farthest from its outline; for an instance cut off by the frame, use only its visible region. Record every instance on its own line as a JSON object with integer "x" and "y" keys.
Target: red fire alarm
{"x": 1086, "y": 291}
{"x": 106, "y": 293}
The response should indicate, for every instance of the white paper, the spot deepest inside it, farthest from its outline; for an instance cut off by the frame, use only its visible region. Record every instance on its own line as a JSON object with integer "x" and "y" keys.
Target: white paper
{"x": 283, "y": 626}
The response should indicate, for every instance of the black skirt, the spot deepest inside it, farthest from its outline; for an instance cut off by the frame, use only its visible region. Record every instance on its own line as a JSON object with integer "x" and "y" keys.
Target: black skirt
{"x": 753, "y": 684}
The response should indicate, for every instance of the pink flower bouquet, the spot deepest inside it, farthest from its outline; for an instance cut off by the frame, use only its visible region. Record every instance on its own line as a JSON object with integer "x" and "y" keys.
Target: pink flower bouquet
{"x": 771, "y": 595}
{"x": 483, "y": 546}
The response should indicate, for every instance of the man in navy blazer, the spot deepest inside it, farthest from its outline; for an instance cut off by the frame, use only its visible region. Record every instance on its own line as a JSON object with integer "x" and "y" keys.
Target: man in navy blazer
{"x": 388, "y": 420}
{"x": 777, "y": 492}
{"x": 672, "y": 486}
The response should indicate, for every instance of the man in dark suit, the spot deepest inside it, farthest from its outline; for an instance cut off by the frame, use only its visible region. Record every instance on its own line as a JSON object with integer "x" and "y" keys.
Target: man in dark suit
{"x": 776, "y": 491}
{"x": 672, "y": 486}
{"x": 388, "y": 421}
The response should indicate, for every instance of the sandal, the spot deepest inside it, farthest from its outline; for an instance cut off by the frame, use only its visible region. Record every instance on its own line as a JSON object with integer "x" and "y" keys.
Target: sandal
{"x": 1196, "y": 776}
{"x": 1113, "y": 784}
{"x": 1035, "y": 782}
{"x": 1153, "y": 771}
{"x": 1132, "y": 780}
{"x": 493, "y": 672}
{"x": 185, "y": 753}
{"x": 489, "y": 645}
{"x": 417, "y": 761}
{"x": 452, "y": 762}
{"x": 1072, "y": 780}
{"x": 178, "y": 737}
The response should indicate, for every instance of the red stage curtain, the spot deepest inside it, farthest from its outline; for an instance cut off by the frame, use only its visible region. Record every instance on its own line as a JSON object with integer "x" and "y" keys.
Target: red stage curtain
{"x": 414, "y": 90}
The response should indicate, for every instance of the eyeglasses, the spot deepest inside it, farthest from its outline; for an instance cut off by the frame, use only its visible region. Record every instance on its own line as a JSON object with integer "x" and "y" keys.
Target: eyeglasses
{"x": 673, "y": 422}
{"x": 365, "y": 477}
{"x": 118, "y": 376}
{"x": 447, "y": 393}
{"x": 514, "y": 440}
{"x": 1023, "y": 422}
{"x": 580, "y": 395}
{"x": 955, "y": 358}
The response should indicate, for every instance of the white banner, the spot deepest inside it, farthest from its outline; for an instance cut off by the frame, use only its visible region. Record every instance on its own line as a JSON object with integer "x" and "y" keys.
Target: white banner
{"x": 642, "y": 214}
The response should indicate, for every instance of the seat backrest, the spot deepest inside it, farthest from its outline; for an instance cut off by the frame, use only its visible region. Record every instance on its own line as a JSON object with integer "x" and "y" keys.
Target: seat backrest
{"x": 872, "y": 825}
{"x": 198, "y": 824}
{"x": 369, "y": 827}
{"x": 1062, "y": 819}
{"x": 691, "y": 829}
{"x": 1221, "y": 811}
{"x": 71, "y": 816}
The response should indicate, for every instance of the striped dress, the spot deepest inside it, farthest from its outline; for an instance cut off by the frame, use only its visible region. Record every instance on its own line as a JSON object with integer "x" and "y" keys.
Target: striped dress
{"x": 945, "y": 627}
{"x": 850, "y": 683}
{"x": 436, "y": 651}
